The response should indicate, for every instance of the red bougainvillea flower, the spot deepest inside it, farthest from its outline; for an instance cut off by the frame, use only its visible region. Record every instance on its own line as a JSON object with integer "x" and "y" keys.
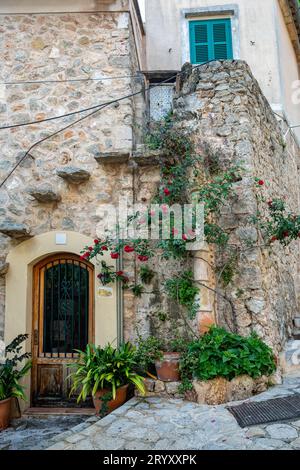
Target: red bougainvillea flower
{"x": 82, "y": 258}
{"x": 143, "y": 258}
{"x": 286, "y": 234}
{"x": 164, "y": 209}
{"x": 104, "y": 248}
{"x": 119, "y": 273}
{"x": 114, "y": 255}
{"x": 91, "y": 248}
{"x": 185, "y": 237}
{"x": 270, "y": 203}
{"x": 128, "y": 249}
{"x": 273, "y": 239}
{"x": 167, "y": 192}
{"x": 261, "y": 182}
{"x": 96, "y": 241}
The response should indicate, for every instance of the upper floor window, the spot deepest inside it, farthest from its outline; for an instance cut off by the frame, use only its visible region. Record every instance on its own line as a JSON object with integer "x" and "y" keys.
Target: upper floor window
{"x": 210, "y": 40}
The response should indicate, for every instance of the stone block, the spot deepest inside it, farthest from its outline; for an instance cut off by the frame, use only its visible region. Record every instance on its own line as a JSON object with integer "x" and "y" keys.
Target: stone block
{"x": 172, "y": 387}
{"x": 212, "y": 392}
{"x": 240, "y": 388}
{"x": 44, "y": 194}
{"x": 73, "y": 174}
{"x": 14, "y": 229}
{"x": 3, "y": 267}
{"x": 112, "y": 157}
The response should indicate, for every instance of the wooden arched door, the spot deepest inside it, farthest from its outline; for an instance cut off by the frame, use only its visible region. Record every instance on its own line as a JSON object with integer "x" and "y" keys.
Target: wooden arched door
{"x": 63, "y": 293}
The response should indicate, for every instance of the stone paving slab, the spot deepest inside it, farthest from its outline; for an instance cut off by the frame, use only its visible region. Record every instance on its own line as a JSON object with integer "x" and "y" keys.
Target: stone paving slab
{"x": 38, "y": 432}
{"x": 174, "y": 424}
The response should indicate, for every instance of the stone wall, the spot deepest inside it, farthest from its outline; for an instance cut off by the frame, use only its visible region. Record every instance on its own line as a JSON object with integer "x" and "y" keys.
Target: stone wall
{"x": 65, "y": 46}
{"x": 228, "y": 115}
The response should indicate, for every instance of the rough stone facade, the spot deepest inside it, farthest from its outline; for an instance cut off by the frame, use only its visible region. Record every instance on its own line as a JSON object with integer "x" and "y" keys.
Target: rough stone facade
{"x": 65, "y": 180}
{"x": 224, "y": 108}
{"x": 58, "y": 47}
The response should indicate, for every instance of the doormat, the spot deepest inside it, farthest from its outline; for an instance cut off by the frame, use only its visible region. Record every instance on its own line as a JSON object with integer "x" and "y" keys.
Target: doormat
{"x": 269, "y": 411}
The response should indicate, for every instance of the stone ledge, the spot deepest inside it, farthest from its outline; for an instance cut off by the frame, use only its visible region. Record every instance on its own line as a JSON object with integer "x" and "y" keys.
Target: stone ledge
{"x": 146, "y": 157}
{"x": 14, "y": 230}
{"x": 112, "y": 157}
{"x": 73, "y": 174}
{"x": 44, "y": 194}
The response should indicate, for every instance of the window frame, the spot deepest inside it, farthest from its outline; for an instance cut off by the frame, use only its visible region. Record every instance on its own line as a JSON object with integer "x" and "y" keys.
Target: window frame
{"x": 210, "y": 40}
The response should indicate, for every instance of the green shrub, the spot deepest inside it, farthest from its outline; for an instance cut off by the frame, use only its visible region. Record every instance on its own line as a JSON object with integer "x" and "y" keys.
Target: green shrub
{"x": 100, "y": 368}
{"x": 10, "y": 373}
{"x": 222, "y": 354}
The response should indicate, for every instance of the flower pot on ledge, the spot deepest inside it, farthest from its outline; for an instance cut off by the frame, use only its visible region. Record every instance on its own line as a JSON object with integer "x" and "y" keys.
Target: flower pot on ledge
{"x": 5, "y": 411}
{"x": 167, "y": 368}
{"x": 112, "y": 405}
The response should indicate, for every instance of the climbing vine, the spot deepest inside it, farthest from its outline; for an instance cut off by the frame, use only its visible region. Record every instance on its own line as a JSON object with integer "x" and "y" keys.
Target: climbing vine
{"x": 182, "y": 173}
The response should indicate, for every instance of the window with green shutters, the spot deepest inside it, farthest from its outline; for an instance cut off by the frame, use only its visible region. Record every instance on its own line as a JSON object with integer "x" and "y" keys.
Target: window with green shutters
{"x": 210, "y": 40}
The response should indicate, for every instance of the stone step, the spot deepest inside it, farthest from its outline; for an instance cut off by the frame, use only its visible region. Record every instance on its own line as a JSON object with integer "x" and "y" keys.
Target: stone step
{"x": 14, "y": 229}
{"x": 73, "y": 174}
{"x": 44, "y": 194}
{"x": 290, "y": 357}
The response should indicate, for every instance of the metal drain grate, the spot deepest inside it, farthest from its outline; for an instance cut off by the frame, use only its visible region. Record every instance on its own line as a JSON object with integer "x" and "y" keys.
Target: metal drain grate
{"x": 269, "y": 411}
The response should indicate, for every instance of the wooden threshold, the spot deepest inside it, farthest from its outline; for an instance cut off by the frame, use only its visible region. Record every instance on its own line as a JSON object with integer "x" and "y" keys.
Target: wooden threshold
{"x": 59, "y": 411}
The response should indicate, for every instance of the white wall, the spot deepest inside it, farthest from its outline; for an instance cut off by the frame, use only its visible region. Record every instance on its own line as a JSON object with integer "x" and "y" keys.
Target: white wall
{"x": 289, "y": 71}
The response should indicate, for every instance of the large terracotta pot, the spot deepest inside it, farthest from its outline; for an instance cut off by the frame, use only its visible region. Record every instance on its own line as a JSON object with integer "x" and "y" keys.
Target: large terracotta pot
{"x": 167, "y": 368}
{"x": 5, "y": 410}
{"x": 112, "y": 404}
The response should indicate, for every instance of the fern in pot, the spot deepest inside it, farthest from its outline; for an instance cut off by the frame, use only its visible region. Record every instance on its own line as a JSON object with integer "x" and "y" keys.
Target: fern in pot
{"x": 105, "y": 373}
{"x": 10, "y": 376}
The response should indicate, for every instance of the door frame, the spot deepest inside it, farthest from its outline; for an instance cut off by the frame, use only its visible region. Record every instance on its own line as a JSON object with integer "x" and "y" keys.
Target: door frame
{"x": 38, "y": 357}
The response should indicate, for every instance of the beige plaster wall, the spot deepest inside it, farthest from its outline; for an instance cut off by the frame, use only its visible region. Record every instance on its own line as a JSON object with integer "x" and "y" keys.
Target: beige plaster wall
{"x": 18, "y": 310}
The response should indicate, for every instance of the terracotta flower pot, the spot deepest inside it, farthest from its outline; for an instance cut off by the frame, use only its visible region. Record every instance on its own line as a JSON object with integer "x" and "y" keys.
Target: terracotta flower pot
{"x": 167, "y": 368}
{"x": 5, "y": 410}
{"x": 112, "y": 404}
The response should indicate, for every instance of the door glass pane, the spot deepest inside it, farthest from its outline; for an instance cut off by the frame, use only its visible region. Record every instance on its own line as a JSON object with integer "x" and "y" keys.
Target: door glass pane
{"x": 66, "y": 307}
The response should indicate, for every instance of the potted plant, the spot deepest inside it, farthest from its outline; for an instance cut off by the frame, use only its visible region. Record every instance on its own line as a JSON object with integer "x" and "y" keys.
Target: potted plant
{"x": 166, "y": 358}
{"x": 105, "y": 373}
{"x": 10, "y": 376}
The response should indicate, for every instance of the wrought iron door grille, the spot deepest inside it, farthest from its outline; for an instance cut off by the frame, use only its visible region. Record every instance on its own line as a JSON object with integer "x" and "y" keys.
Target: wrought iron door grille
{"x": 66, "y": 308}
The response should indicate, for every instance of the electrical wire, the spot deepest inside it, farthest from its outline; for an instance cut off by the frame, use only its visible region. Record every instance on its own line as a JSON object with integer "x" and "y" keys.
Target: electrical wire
{"x": 71, "y": 80}
{"x": 99, "y": 107}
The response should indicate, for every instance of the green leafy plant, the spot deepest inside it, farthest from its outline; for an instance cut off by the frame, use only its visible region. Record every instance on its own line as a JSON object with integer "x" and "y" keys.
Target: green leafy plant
{"x": 183, "y": 290}
{"x": 281, "y": 225}
{"x": 10, "y": 374}
{"x": 219, "y": 353}
{"x": 105, "y": 368}
{"x": 146, "y": 274}
{"x": 137, "y": 290}
{"x": 148, "y": 351}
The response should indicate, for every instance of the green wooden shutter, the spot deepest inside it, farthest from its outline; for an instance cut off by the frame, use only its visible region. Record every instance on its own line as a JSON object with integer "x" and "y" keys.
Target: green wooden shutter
{"x": 210, "y": 40}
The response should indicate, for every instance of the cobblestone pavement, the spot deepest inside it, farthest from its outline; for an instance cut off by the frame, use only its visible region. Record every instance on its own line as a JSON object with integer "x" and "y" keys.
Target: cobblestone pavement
{"x": 36, "y": 432}
{"x": 174, "y": 424}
